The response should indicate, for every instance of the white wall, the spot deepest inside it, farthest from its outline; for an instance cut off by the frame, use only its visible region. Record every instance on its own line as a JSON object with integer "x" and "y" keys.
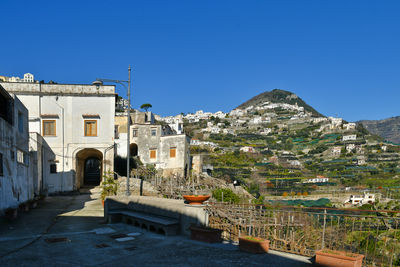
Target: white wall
{"x": 16, "y": 185}
{"x": 68, "y": 105}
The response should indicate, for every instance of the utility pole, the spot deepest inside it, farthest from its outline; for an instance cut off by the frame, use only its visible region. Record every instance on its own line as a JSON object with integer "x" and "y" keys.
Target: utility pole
{"x": 127, "y": 86}
{"x": 128, "y": 141}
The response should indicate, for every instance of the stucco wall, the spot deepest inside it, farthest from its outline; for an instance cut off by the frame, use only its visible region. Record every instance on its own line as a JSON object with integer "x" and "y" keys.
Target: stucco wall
{"x": 69, "y": 106}
{"x": 162, "y": 144}
{"x": 16, "y": 185}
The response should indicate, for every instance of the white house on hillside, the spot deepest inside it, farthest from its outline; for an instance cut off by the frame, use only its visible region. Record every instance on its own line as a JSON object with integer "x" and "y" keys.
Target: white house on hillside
{"x": 76, "y": 122}
{"x": 350, "y": 137}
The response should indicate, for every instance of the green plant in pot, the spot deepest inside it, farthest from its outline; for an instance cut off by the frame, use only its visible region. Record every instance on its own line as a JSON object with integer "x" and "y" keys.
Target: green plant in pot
{"x": 109, "y": 186}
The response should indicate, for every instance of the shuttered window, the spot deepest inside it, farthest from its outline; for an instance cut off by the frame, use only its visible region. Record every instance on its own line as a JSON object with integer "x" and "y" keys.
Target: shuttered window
{"x": 153, "y": 154}
{"x": 53, "y": 168}
{"x": 49, "y": 128}
{"x": 90, "y": 128}
{"x": 172, "y": 152}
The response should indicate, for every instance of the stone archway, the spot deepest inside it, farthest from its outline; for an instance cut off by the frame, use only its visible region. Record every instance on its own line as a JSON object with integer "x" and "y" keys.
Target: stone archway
{"x": 89, "y": 167}
{"x": 133, "y": 150}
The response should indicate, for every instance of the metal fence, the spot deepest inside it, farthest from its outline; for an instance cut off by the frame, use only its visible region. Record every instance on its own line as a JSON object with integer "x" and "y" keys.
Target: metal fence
{"x": 375, "y": 234}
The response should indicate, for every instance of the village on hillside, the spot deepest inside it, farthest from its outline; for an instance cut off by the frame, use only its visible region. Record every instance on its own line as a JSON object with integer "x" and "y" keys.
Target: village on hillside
{"x": 273, "y": 168}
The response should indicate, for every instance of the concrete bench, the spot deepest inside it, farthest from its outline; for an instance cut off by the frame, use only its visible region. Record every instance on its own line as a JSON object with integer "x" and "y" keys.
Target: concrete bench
{"x": 154, "y": 223}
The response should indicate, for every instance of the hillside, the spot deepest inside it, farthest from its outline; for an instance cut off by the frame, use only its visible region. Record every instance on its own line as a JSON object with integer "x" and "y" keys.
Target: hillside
{"x": 276, "y": 144}
{"x": 279, "y": 96}
{"x": 389, "y": 128}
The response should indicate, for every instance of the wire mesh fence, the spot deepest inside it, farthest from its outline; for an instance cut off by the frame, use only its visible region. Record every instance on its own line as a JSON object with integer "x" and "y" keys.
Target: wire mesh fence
{"x": 375, "y": 234}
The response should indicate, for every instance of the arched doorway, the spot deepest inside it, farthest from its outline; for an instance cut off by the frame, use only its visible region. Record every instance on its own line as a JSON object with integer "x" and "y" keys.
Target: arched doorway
{"x": 89, "y": 167}
{"x": 92, "y": 171}
{"x": 133, "y": 150}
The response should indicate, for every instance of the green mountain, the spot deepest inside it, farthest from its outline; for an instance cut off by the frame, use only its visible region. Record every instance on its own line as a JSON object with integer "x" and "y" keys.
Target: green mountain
{"x": 389, "y": 128}
{"x": 279, "y": 96}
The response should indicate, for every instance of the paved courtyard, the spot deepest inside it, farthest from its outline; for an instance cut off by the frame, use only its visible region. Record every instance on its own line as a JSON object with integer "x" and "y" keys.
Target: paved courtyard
{"x": 69, "y": 231}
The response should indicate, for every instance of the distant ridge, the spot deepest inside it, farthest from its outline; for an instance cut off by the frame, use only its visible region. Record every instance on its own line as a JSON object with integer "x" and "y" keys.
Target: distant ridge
{"x": 280, "y": 96}
{"x": 389, "y": 128}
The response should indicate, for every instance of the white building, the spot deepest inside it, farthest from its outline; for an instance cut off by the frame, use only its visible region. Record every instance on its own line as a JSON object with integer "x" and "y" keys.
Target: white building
{"x": 361, "y": 160}
{"x": 256, "y": 120}
{"x": 349, "y": 126}
{"x": 247, "y": 149}
{"x": 16, "y": 185}
{"x": 228, "y": 131}
{"x": 237, "y": 112}
{"x": 266, "y": 131}
{"x": 360, "y": 200}
{"x": 195, "y": 142}
{"x": 319, "y": 119}
{"x": 350, "y": 147}
{"x": 28, "y": 78}
{"x": 350, "y": 137}
{"x": 335, "y": 122}
{"x": 219, "y": 114}
{"x": 318, "y": 179}
{"x": 159, "y": 145}
{"x": 336, "y": 151}
{"x": 77, "y": 124}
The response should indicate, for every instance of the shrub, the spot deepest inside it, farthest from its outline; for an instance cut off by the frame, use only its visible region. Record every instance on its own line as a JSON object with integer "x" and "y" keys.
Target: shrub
{"x": 285, "y": 194}
{"x": 228, "y": 195}
{"x": 305, "y": 194}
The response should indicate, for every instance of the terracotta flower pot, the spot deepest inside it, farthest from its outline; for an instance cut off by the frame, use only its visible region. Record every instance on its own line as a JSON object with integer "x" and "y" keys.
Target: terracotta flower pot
{"x": 205, "y": 234}
{"x": 253, "y": 244}
{"x": 196, "y": 199}
{"x": 334, "y": 258}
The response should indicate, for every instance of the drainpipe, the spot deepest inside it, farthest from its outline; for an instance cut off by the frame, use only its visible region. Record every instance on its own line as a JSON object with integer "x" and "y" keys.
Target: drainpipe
{"x": 105, "y": 156}
{"x": 63, "y": 144}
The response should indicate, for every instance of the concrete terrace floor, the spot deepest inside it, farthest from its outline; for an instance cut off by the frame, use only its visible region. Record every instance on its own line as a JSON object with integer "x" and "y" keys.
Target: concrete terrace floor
{"x": 76, "y": 218}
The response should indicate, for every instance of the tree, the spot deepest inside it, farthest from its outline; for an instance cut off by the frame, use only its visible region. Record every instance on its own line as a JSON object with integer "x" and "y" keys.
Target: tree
{"x": 146, "y": 106}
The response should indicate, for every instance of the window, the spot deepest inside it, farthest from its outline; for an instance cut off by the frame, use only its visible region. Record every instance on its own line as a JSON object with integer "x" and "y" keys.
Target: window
{"x": 1, "y": 164}
{"x": 53, "y": 168}
{"x": 49, "y": 128}
{"x": 116, "y": 132}
{"x": 134, "y": 132}
{"x": 90, "y": 128}
{"x": 20, "y": 156}
{"x": 172, "y": 152}
{"x": 20, "y": 122}
{"x": 153, "y": 154}
{"x": 153, "y": 132}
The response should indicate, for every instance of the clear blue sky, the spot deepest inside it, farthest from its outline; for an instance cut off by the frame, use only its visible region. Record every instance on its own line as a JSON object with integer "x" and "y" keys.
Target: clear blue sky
{"x": 341, "y": 57}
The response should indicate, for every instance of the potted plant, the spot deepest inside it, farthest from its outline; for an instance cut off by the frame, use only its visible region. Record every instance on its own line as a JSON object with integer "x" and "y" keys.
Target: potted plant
{"x": 253, "y": 244}
{"x": 109, "y": 186}
{"x": 205, "y": 234}
{"x": 196, "y": 199}
{"x": 335, "y": 258}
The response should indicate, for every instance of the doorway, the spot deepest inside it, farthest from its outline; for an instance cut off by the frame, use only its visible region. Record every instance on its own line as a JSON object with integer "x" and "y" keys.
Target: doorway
{"x": 92, "y": 171}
